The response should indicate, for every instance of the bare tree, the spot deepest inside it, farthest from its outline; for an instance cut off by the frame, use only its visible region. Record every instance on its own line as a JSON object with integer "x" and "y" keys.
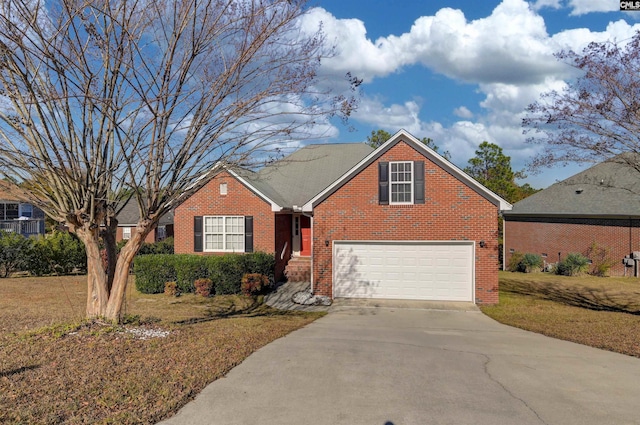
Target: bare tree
{"x": 597, "y": 115}
{"x": 101, "y": 97}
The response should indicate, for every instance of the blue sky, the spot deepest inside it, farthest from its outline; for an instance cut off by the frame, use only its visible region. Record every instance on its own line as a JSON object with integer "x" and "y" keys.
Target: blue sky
{"x": 461, "y": 72}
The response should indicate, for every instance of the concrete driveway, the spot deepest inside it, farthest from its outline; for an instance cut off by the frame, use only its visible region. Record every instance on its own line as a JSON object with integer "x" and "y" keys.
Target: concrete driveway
{"x": 400, "y": 366}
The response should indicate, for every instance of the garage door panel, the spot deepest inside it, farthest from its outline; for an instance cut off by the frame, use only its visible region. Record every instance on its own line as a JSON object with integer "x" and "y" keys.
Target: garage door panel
{"x": 428, "y": 271}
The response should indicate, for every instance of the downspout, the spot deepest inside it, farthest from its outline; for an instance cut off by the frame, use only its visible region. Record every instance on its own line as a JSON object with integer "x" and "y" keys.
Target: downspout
{"x": 504, "y": 243}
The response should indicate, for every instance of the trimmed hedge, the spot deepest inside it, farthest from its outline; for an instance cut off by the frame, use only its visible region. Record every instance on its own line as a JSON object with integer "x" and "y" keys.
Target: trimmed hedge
{"x": 225, "y": 271}
{"x": 153, "y": 271}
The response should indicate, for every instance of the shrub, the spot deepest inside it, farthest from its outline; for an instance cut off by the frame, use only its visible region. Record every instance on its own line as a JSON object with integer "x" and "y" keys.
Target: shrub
{"x": 66, "y": 252}
{"x": 152, "y": 271}
{"x": 254, "y": 284}
{"x": 225, "y": 271}
{"x": 525, "y": 263}
{"x": 514, "y": 261}
{"x": 261, "y": 263}
{"x": 530, "y": 262}
{"x": 188, "y": 269}
{"x": 573, "y": 265}
{"x": 14, "y": 252}
{"x": 204, "y": 287}
{"x": 171, "y": 289}
{"x": 161, "y": 247}
{"x": 38, "y": 262}
{"x": 228, "y": 274}
{"x": 601, "y": 262}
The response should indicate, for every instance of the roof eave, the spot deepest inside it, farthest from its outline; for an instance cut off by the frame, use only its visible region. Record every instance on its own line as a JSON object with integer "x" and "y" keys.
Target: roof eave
{"x": 275, "y": 207}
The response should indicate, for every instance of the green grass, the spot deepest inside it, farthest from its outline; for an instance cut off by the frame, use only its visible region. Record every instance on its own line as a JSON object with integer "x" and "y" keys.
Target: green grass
{"x": 57, "y": 368}
{"x": 599, "y": 312}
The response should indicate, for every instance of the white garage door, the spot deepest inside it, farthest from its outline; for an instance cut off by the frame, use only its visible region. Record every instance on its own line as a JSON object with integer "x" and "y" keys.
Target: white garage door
{"x": 441, "y": 271}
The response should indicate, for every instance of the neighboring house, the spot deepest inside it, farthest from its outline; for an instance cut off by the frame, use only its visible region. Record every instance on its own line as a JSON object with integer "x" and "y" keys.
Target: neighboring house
{"x": 397, "y": 222}
{"x": 600, "y": 205}
{"x": 17, "y": 216}
{"x": 128, "y": 219}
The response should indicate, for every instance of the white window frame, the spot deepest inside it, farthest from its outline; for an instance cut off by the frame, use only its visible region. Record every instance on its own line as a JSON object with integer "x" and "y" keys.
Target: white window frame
{"x": 393, "y": 182}
{"x": 26, "y": 210}
{"x": 226, "y": 224}
{"x": 126, "y": 233}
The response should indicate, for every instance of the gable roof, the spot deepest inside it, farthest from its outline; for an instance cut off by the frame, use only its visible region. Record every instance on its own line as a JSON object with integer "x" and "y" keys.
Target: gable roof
{"x": 308, "y": 171}
{"x": 290, "y": 182}
{"x": 610, "y": 188}
{"x": 7, "y": 191}
{"x": 129, "y": 215}
{"x": 429, "y": 153}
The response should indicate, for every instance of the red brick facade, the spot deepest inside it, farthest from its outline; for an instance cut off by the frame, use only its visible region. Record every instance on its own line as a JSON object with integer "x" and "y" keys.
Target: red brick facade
{"x": 239, "y": 200}
{"x": 151, "y": 237}
{"x": 452, "y": 211}
{"x": 549, "y": 237}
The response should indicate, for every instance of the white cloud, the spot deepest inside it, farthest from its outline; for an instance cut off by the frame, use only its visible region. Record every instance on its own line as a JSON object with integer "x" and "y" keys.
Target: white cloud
{"x": 578, "y": 7}
{"x": 582, "y": 7}
{"x": 463, "y": 112}
{"x": 507, "y": 55}
{"x": 390, "y": 118}
{"x": 551, "y": 4}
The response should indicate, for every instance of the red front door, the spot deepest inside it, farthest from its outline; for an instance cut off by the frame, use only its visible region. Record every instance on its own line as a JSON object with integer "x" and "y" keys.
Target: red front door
{"x": 305, "y": 236}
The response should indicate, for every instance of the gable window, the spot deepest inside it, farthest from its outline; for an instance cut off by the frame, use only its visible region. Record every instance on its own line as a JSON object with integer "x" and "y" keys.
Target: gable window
{"x": 401, "y": 182}
{"x": 224, "y": 233}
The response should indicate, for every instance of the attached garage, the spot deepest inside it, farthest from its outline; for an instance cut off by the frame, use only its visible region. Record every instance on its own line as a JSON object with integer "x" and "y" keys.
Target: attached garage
{"x": 418, "y": 270}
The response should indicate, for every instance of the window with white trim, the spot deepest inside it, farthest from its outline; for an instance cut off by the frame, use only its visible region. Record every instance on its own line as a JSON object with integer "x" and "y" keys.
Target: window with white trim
{"x": 223, "y": 233}
{"x": 126, "y": 233}
{"x": 401, "y": 182}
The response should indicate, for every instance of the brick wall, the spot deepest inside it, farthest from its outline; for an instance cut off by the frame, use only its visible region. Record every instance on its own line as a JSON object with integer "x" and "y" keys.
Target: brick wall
{"x": 452, "y": 211}
{"x": 151, "y": 237}
{"x": 238, "y": 201}
{"x": 565, "y": 235}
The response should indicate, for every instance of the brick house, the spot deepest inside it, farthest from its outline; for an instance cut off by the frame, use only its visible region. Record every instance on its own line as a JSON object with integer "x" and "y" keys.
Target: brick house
{"x": 397, "y": 222}
{"x": 597, "y": 206}
{"x": 128, "y": 220}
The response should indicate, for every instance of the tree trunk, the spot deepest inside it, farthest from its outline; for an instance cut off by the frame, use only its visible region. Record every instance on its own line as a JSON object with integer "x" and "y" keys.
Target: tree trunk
{"x": 110, "y": 245}
{"x": 121, "y": 276}
{"x": 97, "y": 293}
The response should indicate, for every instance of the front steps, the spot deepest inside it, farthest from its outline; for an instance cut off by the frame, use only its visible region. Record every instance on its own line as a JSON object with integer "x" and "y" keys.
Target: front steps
{"x": 298, "y": 269}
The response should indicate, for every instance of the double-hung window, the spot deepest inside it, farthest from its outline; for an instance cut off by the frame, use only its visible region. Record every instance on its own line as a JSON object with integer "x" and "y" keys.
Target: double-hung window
{"x": 126, "y": 233}
{"x": 224, "y": 233}
{"x": 401, "y": 182}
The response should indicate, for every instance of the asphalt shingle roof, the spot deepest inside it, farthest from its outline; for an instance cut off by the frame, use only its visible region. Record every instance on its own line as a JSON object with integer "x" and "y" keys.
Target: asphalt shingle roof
{"x": 129, "y": 215}
{"x": 611, "y": 188}
{"x": 300, "y": 176}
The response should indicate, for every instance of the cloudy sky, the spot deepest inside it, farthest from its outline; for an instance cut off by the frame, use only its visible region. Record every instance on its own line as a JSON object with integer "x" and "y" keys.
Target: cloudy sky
{"x": 461, "y": 72}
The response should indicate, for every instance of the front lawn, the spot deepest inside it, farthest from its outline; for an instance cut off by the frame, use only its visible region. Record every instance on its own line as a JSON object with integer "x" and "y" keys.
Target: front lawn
{"x": 600, "y": 312}
{"x": 56, "y": 368}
